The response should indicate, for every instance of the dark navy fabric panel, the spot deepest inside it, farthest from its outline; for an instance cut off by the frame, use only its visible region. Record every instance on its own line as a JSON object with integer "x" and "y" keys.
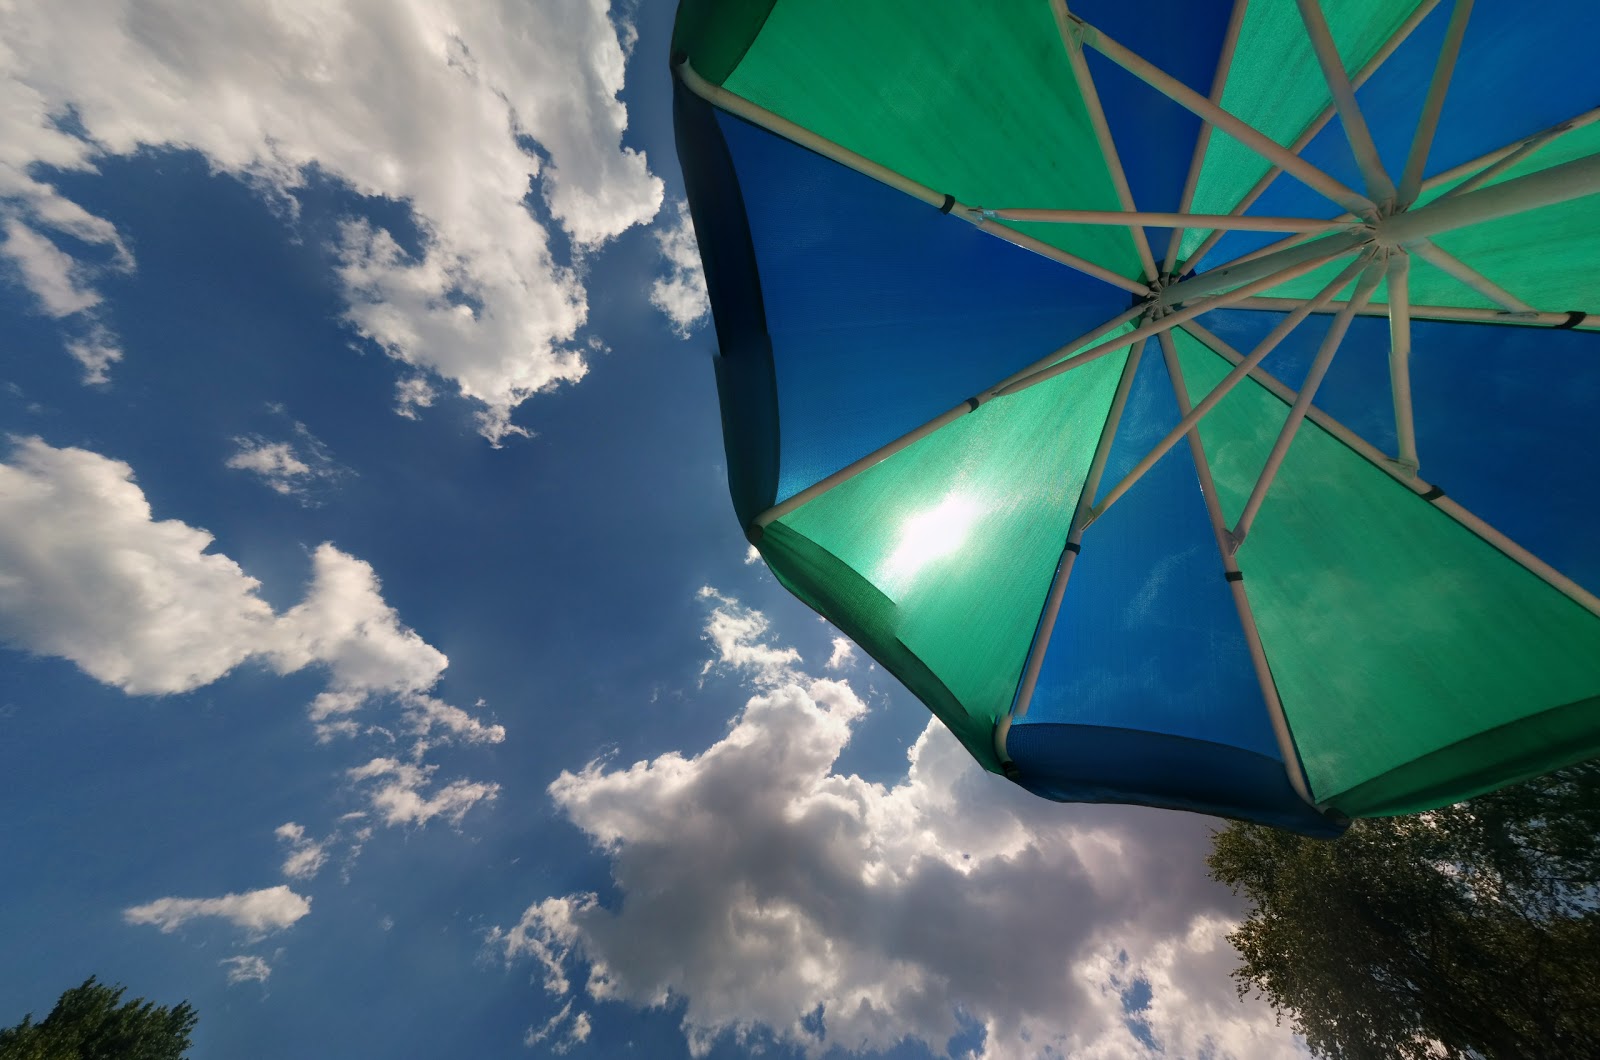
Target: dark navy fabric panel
{"x": 1081, "y": 763}
{"x": 1516, "y": 76}
{"x": 746, "y": 385}
{"x": 883, "y": 312}
{"x": 1148, "y": 637}
{"x": 1504, "y": 417}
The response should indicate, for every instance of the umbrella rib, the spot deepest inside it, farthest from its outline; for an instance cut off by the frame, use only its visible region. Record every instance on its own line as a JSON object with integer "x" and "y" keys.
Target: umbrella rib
{"x": 1379, "y": 186}
{"x": 1448, "y": 263}
{"x": 1428, "y": 122}
{"x": 1447, "y": 313}
{"x": 1222, "y": 389}
{"x": 1421, "y": 487}
{"x": 882, "y": 453}
{"x": 1245, "y": 133}
{"x": 758, "y": 115}
{"x": 1102, "y": 132}
{"x": 1069, "y": 552}
{"x": 1390, "y": 46}
{"x": 1297, "y": 412}
{"x": 1219, "y": 82}
{"x": 1491, "y": 165}
{"x": 1230, "y": 567}
{"x": 1405, "y": 428}
{"x": 1136, "y": 219}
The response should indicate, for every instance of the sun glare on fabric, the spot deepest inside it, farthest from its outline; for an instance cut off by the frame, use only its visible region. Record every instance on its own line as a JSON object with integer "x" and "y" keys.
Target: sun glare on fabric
{"x": 929, "y": 535}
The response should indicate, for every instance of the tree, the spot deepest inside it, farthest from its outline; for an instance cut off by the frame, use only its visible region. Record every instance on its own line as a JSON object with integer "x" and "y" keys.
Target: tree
{"x": 1471, "y": 931}
{"x": 91, "y": 1022}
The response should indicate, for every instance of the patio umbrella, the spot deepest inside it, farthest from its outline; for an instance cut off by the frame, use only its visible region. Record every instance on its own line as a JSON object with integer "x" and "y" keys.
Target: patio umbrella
{"x": 1102, "y": 368}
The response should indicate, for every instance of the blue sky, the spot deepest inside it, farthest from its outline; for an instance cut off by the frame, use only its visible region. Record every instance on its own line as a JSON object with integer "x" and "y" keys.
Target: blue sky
{"x": 384, "y": 668}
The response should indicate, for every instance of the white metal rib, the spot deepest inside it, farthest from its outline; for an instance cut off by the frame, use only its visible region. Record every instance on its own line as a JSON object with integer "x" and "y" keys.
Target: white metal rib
{"x": 1102, "y": 133}
{"x": 1297, "y": 412}
{"x": 1379, "y": 186}
{"x": 1447, "y": 313}
{"x": 1069, "y": 553}
{"x": 1428, "y": 122}
{"x": 1453, "y": 266}
{"x": 1494, "y": 162}
{"x": 1241, "y": 601}
{"x": 1246, "y": 134}
{"x": 1219, "y": 83}
{"x": 1307, "y": 226}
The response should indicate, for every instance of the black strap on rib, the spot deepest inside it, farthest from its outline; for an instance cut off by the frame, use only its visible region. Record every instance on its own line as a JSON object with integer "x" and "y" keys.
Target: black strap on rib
{"x": 1574, "y": 318}
{"x": 1074, "y": 547}
{"x": 1432, "y": 495}
{"x": 1233, "y": 575}
{"x": 949, "y": 203}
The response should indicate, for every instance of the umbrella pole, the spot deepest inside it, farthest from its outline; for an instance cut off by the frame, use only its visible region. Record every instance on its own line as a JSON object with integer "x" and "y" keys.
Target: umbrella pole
{"x": 1235, "y": 578}
{"x": 1486, "y": 167}
{"x": 1405, "y": 429}
{"x": 1547, "y": 187}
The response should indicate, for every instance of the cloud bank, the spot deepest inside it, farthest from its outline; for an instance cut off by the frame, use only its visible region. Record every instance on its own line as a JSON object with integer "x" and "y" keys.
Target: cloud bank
{"x": 773, "y": 898}
{"x": 468, "y": 111}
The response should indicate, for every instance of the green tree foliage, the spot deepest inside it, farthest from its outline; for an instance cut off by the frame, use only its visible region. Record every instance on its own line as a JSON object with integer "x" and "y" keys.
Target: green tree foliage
{"x": 92, "y": 1022}
{"x": 1472, "y": 931}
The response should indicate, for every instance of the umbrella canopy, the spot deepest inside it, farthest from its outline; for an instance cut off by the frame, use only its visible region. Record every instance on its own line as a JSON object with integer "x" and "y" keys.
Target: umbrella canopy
{"x": 1100, "y": 368}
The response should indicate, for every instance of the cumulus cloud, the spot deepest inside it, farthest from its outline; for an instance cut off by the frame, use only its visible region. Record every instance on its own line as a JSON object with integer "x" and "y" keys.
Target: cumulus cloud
{"x": 306, "y": 856}
{"x": 462, "y": 109}
{"x": 51, "y": 275}
{"x": 257, "y": 912}
{"x": 681, "y": 293}
{"x": 398, "y": 797}
{"x": 562, "y": 1031}
{"x": 88, "y": 574}
{"x": 246, "y": 968}
{"x": 844, "y": 654}
{"x": 298, "y": 469}
{"x": 772, "y": 897}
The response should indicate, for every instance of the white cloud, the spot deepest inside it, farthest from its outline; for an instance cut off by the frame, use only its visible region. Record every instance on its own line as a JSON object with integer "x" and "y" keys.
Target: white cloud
{"x": 399, "y": 800}
{"x": 246, "y": 968}
{"x": 88, "y": 574}
{"x": 424, "y": 102}
{"x": 46, "y": 271}
{"x": 306, "y": 856}
{"x": 413, "y": 394}
{"x": 257, "y": 912}
{"x": 736, "y": 633}
{"x": 758, "y": 887}
{"x": 844, "y": 654}
{"x": 577, "y": 1031}
{"x": 681, "y": 293}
